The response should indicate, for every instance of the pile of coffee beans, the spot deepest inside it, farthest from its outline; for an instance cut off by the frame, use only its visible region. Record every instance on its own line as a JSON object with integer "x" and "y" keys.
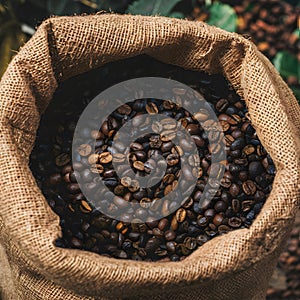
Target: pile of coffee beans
{"x": 248, "y": 169}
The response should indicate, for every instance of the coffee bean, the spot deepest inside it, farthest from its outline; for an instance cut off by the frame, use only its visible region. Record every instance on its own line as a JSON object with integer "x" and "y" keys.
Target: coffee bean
{"x": 236, "y": 206}
{"x": 152, "y": 245}
{"x": 255, "y": 169}
{"x": 97, "y": 168}
{"x": 151, "y": 108}
{"x": 202, "y": 220}
{"x": 171, "y": 246}
{"x": 190, "y": 243}
{"x": 73, "y": 188}
{"x": 193, "y": 129}
{"x": 222, "y": 105}
{"x": 134, "y": 186}
{"x": 201, "y": 239}
{"x": 235, "y": 222}
{"x": 180, "y": 215}
{"x": 167, "y": 135}
{"x": 234, "y": 190}
{"x": 62, "y": 159}
{"x": 93, "y": 159}
{"x": 220, "y": 206}
{"x": 170, "y": 235}
{"x": 126, "y": 181}
{"x": 84, "y": 149}
{"x": 136, "y": 146}
{"x": 229, "y": 139}
{"x": 163, "y": 224}
{"x": 139, "y": 165}
{"x": 125, "y": 109}
{"x": 172, "y": 160}
{"x": 225, "y": 125}
{"x": 105, "y": 157}
{"x": 222, "y": 229}
{"x": 249, "y": 187}
{"x": 239, "y": 143}
{"x": 85, "y": 207}
{"x": 119, "y": 157}
{"x": 249, "y": 149}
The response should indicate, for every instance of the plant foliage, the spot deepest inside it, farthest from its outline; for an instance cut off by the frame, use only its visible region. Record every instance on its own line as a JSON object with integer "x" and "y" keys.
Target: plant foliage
{"x": 222, "y": 16}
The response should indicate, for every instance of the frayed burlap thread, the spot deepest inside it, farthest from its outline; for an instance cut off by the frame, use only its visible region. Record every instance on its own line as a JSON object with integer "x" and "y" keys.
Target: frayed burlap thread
{"x": 237, "y": 265}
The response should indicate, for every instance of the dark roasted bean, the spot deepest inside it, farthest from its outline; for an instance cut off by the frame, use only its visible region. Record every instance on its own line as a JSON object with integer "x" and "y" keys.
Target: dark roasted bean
{"x": 249, "y": 187}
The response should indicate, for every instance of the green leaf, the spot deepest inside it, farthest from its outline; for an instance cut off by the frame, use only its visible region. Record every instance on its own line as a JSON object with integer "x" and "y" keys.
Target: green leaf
{"x": 222, "y": 16}
{"x": 287, "y": 64}
{"x": 153, "y": 7}
{"x": 177, "y": 15}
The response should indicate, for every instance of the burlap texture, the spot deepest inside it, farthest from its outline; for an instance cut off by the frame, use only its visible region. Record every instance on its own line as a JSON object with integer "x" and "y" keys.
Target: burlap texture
{"x": 237, "y": 265}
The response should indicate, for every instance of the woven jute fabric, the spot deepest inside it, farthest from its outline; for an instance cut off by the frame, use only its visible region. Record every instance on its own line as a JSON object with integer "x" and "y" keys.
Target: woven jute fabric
{"x": 237, "y": 265}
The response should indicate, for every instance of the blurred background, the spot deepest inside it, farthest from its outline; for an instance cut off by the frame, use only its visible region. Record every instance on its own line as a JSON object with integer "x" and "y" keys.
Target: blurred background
{"x": 272, "y": 25}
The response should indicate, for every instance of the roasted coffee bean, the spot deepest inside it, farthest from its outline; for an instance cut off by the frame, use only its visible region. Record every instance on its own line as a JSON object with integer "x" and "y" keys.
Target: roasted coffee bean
{"x": 126, "y": 181}
{"x": 157, "y": 232}
{"x": 105, "y": 157}
{"x": 223, "y": 229}
{"x": 190, "y": 243}
{"x": 84, "y": 149}
{"x": 235, "y": 222}
{"x": 201, "y": 239}
{"x": 236, "y": 205}
{"x": 193, "y": 129}
{"x": 172, "y": 160}
{"x": 97, "y": 169}
{"x": 220, "y": 206}
{"x": 255, "y": 169}
{"x": 180, "y": 215}
{"x": 85, "y": 207}
{"x": 170, "y": 235}
{"x": 167, "y": 135}
{"x": 249, "y": 149}
{"x": 139, "y": 165}
{"x": 225, "y": 125}
{"x": 222, "y": 105}
{"x": 151, "y": 108}
{"x": 119, "y": 157}
{"x": 234, "y": 190}
{"x": 93, "y": 158}
{"x": 209, "y": 213}
{"x": 163, "y": 224}
{"x": 125, "y": 109}
{"x": 229, "y": 139}
{"x": 237, "y": 144}
{"x": 62, "y": 159}
{"x": 218, "y": 219}
{"x": 202, "y": 220}
{"x": 249, "y": 187}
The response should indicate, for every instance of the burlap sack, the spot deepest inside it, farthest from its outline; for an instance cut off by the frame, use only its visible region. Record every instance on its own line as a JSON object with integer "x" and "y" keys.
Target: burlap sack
{"x": 237, "y": 265}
